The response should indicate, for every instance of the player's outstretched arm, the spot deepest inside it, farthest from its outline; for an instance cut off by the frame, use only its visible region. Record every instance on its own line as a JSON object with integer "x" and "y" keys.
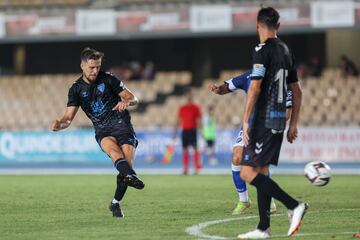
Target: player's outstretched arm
{"x": 221, "y": 90}
{"x": 66, "y": 119}
{"x": 127, "y": 99}
{"x": 295, "y": 113}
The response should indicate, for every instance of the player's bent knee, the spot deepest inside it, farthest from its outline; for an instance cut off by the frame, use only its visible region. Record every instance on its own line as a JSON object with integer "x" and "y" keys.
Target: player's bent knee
{"x": 243, "y": 176}
{"x": 237, "y": 155}
{"x": 264, "y": 170}
{"x": 236, "y": 161}
{"x": 246, "y": 176}
{"x": 115, "y": 154}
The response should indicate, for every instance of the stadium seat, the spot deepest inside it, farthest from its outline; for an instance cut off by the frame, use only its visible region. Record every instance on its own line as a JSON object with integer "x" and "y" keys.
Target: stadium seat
{"x": 327, "y": 101}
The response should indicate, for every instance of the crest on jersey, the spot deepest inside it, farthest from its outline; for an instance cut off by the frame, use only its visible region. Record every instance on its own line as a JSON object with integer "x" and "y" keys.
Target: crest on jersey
{"x": 101, "y": 87}
{"x": 97, "y": 107}
{"x": 84, "y": 94}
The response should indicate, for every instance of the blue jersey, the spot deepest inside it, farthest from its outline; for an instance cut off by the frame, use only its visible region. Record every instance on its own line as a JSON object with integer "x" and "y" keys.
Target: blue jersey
{"x": 243, "y": 82}
{"x": 240, "y": 82}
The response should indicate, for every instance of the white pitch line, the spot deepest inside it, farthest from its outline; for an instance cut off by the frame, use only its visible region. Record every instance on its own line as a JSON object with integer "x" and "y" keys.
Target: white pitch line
{"x": 196, "y": 230}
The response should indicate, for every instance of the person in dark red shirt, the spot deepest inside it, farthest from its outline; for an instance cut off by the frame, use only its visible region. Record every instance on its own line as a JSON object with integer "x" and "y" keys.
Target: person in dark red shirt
{"x": 189, "y": 120}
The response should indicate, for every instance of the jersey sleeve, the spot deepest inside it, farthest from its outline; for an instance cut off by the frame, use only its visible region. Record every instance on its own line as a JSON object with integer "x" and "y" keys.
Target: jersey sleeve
{"x": 239, "y": 82}
{"x": 116, "y": 84}
{"x": 292, "y": 72}
{"x": 289, "y": 99}
{"x": 73, "y": 97}
{"x": 259, "y": 62}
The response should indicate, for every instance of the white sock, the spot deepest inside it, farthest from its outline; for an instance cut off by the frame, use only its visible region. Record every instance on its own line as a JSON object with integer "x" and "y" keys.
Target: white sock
{"x": 244, "y": 196}
{"x": 114, "y": 201}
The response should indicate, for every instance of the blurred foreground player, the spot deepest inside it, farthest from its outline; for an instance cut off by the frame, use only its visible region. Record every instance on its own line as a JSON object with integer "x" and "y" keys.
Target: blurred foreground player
{"x": 104, "y": 99}
{"x": 273, "y": 70}
{"x": 243, "y": 82}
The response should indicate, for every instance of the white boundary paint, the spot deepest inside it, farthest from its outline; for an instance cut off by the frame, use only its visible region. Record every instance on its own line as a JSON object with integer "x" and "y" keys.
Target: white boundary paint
{"x": 196, "y": 230}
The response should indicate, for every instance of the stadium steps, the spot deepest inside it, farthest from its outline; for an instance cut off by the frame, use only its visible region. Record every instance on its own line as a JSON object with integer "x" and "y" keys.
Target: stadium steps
{"x": 160, "y": 98}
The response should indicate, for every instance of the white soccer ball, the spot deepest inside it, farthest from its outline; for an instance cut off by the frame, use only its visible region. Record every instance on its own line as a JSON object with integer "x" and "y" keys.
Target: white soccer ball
{"x": 318, "y": 173}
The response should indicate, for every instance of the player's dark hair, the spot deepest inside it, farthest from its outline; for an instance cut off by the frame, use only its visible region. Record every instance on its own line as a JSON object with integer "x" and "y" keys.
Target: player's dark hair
{"x": 269, "y": 16}
{"x": 89, "y": 53}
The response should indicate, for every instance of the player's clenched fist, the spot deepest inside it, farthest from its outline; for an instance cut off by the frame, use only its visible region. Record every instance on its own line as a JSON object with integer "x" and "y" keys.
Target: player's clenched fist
{"x": 214, "y": 88}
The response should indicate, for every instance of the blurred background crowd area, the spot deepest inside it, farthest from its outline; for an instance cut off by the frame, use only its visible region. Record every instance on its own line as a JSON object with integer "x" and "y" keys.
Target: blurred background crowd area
{"x": 160, "y": 47}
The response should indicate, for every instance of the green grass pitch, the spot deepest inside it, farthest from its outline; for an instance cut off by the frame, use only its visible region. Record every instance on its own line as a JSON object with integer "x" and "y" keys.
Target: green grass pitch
{"x": 75, "y": 207}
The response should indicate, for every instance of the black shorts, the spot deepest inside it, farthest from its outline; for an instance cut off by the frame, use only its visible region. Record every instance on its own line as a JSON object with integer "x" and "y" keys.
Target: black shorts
{"x": 121, "y": 138}
{"x": 189, "y": 138}
{"x": 210, "y": 143}
{"x": 264, "y": 147}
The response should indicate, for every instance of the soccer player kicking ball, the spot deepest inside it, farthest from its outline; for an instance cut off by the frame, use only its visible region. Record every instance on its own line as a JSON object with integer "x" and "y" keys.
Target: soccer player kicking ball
{"x": 273, "y": 70}
{"x": 243, "y": 82}
{"x": 104, "y": 98}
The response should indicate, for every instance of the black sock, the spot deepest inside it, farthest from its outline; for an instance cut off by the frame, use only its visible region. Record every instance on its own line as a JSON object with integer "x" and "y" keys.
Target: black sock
{"x": 264, "y": 201}
{"x": 120, "y": 188}
{"x": 272, "y": 189}
{"x": 123, "y": 167}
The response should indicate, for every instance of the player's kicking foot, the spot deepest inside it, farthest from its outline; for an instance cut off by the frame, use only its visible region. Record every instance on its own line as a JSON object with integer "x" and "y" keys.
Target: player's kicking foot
{"x": 116, "y": 210}
{"x": 241, "y": 207}
{"x": 297, "y": 215}
{"x": 273, "y": 208}
{"x": 133, "y": 181}
{"x": 255, "y": 234}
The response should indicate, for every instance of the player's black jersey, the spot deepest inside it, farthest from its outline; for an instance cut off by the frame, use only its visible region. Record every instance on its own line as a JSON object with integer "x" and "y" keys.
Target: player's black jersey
{"x": 98, "y": 99}
{"x": 273, "y": 62}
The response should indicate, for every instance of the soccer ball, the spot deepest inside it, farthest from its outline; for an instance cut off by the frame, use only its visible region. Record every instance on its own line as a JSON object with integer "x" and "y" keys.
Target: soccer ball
{"x": 318, "y": 173}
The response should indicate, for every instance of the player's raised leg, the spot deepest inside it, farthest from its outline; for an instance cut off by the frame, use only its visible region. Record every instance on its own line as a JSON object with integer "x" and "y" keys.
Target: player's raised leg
{"x": 132, "y": 179}
{"x": 122, "y": 157}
